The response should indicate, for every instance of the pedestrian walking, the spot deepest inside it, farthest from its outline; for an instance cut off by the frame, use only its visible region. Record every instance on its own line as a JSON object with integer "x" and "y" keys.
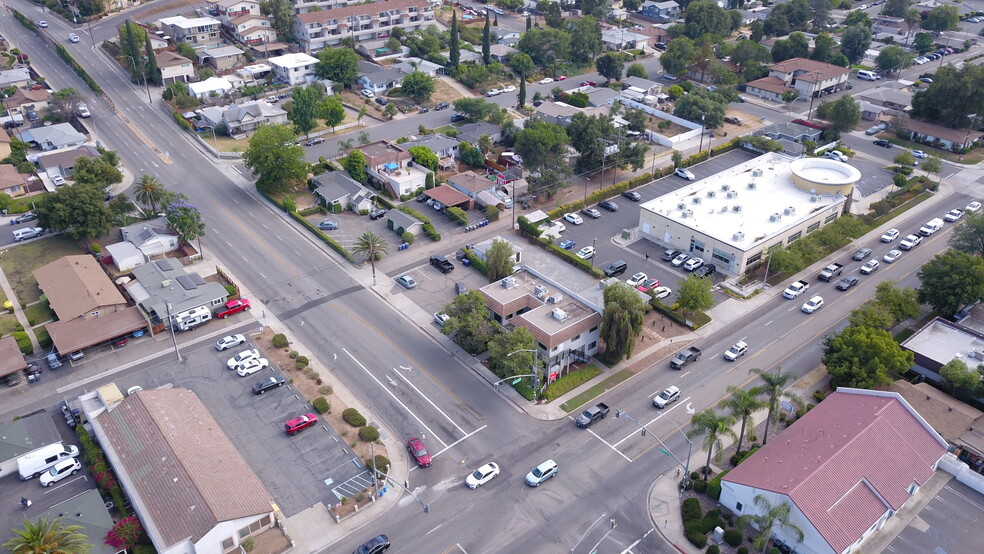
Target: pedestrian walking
{"x": 647, "y": 256}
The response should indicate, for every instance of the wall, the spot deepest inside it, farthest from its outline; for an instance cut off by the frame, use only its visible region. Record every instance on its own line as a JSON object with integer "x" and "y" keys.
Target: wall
{"x": 952, "y": 465}
{"x": 812, "y": 542}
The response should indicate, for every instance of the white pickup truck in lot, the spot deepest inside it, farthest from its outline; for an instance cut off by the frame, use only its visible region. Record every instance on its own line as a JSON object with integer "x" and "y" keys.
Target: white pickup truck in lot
{"x": 796, "y": 289}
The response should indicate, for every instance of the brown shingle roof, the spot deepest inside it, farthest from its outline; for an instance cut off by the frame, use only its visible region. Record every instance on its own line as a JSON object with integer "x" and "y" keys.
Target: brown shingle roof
{"x": 360, "y": 9}
{"x": 447, "y": 195}
{"x": 76, "y": 285}
{"x": 950, "y": 417}
{"x": 953, "y": 135}
{"x": 28, "y": 97}
{"x": 76, "y": 334}
{"x": 179, "y": 464}
{"x": 10, "y": 177}
{"x": 167, "y": 58}
{"x": 771, "y": 84}
{"x": 11, "y": 358}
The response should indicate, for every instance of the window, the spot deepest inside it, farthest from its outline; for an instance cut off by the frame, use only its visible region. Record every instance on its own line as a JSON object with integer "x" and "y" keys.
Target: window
{"x": 576, "y": 338}
{"x": 738, "y": 507}
{"x": 593, "y": 345}
{"x": 593, "y": 329}
{"x": 794, "y": 237}
{"x": 228, "y": 544}
{"x": 753, "y": 258}
{"x": 813, "y": 227}
{"x": 830, "y": 218}
{"x": 696, "y": 245}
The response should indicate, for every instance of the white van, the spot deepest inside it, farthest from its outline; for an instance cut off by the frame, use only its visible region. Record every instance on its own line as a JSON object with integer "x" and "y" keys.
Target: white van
{"x": 27, "y": 233}
{"x": 33, "y": 464}
{"x": 190, "y": 319}
{"x": 868, "y": 75}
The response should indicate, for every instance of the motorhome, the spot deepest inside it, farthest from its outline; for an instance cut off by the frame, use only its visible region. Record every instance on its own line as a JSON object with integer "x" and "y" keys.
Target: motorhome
{"x": 187, "y": 320}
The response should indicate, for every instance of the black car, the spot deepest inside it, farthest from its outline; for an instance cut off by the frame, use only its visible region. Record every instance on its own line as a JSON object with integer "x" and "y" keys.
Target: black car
{"x": 883, "y": 143}
{"x": 670, "y": 254}
{"x": 268, "y": 383}
{"x": 376, "y": 214}
{"x": 537, "y": 103}
{"x": 457, "y": 117}
{"x": 442, "y": 264}
{"x": 660, "y": 46}
{"x": 847, "y": 282}
{"x": 706, "y": 270}
{"x": 608, "y": 205}
{"x": 460, "y": 287}
{"x": 381, "y": 101}
{"x": 632, "y": 195}
{"x": 442, "y": 106}
{"x": 423, "y": 110}
{"x": 314, "y": 141}
{"x": 375, "y": 545}
{"x": 24, "y": 217}
{"x": 861, "y": 254}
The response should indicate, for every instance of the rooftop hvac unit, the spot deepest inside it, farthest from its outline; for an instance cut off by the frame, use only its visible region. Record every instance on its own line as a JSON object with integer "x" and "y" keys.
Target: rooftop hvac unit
{"x": 815, "y": 198}
{"x": 555, "y": 298}
{"x": 789, "y": 211}
{"x": 696, "y": 200}
{"x": 711, "y": 194}
{"x": 736, "y": 208}
{"x": 752, "y": 186}
{"x": 508, "y": 282}
{"x": 725, "y": 187}
{"x": 539, "y": 292}
{"x": 558, "y": 314}
{"x": 732, "y": 194}
{"x": 686, "y": 213}
{"x": 681, "y": 206}
{"x": 757, "y": 172}
{"x": 738, "y": 236}
{"x": 165, "y": 283}
{"x": 775, "y": 217}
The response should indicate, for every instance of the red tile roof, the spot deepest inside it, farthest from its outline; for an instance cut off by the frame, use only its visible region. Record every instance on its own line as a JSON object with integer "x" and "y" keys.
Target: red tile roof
{"x": 846, "y": 462}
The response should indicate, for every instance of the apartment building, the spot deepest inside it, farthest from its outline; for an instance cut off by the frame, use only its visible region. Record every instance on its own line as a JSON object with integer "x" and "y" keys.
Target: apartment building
{"x": 318, "y": 30}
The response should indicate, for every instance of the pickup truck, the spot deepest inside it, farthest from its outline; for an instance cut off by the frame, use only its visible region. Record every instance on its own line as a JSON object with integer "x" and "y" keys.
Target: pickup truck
{"x": 592, "y": 414}
{"x": 795, "y": 289}
{"x": 831, "y": 271}
{"x": 684, "y": 357}
{"x": 931, "y": 227}
{"x": 442, "y": 264}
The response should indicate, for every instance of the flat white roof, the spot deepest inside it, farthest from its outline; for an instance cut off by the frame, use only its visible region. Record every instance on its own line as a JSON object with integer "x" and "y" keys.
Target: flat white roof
{"x": 293, "y": 60}
{"x": 707, "y": 208}
{"x": 942, "y": 342}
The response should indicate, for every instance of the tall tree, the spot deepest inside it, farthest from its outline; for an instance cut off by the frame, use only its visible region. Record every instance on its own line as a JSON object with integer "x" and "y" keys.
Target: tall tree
{"x": 355, "y": 165}
{"x": 469, "y": 321}
{"x": 952, "y": 97}
{"x": 942, "y": 18}
{"x": 339, "y": 65}
{"x": 695, "y": 294}
{"x": 821, "y": 14}
{"x": 960, "y": 380}
{"x": 552, "y": 14}
{"x": 742, "y": 404}
{"x": 895, "y": 8}
{"x": 587, "y": 30}
{"x": 78, "y": 210}
{"x": 546, "y": 46}
{"x": 621, "y": 322}
{"x": 706, "y": 17}
{"x": 901, "y": 303}
{"x": 184, "y": 219}
{"x": 680, "y": 52}
{"x": 713, "y": 428}
{"x": 590, "y": 136}
{"x": 48, "y": 536}
{"x": 757, "y": 31}
{"x": 371, "y": 247}
{"x": 765, "y": 521}
{"x": 855, "y": 42}
{"x": 131, "y": 52}
{"x": 610, "y": 66}
{"x": 275, "y": 159}
{"x": 968, "y": 235}
{"x": 98, "y": 172}
{"x": 418, "y": 85}
{"x": 892, "y": 58}
{"x": 149, "y": 191}
{"x": 773, "y": 390}
{"x": 499, "y": 260}
{"x": 951, "y": 280}
{"x": 454, "y": 52}
{"x": 304, "y": 109}
{"x": 636, "y": 70}
{"x": 153, "y": 72}
{"x": 424, "y": 156}
{"x": 864, "y": 358}
{"x": 487, "y": 41}
{"x": 844, "y": 113}
{"x": 529, "y": 21}
{"x": 521, "y": 99}
{"x": 824, "y": 47}
{"x": 542, "y": 145}
{"x": 332, "y": 111}
{"x": 511, "y": 342}
{"x": 282, "y": 12}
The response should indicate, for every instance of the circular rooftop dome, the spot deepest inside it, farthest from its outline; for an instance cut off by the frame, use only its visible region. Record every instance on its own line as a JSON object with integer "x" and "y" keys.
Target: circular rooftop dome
{"x": 824, "y": 176}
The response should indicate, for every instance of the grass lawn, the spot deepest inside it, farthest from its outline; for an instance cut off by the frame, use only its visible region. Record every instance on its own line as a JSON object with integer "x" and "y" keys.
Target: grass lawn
{"x": 19, "y": 262}
{"x": 8, "y": 322}
{"x": 595, "y": 391}
{"x": 970, "y": 158}
{"x": 38, "y": 313}
{"x": 229, "y": 144}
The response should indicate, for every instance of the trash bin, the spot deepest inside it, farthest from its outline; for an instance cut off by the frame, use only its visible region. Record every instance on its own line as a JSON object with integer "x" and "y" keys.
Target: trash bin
{"x": 466, "y": 262}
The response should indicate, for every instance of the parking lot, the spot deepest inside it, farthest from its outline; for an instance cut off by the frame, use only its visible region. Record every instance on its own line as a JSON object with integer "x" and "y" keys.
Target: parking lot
{"x": 299, "y": 471}
{"x": 949, "y": 523}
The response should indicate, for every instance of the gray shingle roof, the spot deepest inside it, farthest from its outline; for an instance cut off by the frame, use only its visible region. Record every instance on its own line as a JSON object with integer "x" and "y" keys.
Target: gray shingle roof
{"x": 335, "y": 185}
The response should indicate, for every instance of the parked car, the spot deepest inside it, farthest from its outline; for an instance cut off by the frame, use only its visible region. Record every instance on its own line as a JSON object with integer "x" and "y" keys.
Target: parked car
{"x": 608, "y": 205}
{"x": 586, "y": 253}
{"x": 593, "y": 213}
{"x": 637, "y": 279}
{"x": 242, "y": 358}
{"x": 567, "y": 244}
{"x": 381, "y": 101}
{"x": 460, "y": 287}
{"x": 546, "y": 81}
{"x": 328, "y": 225}
{"x": 660, "y": 46}
{"x": 61, "y": 470}
{"x": 406, "y": 282}
{"x": 685, "y": 173}
{"x": 693, "y": 263}
{"x": 573, "y": 218}
{"x": 883, "y": 143}
{"x": 706, "y": 270}
{"x": 456, "y": 117}
{"x": 367, "y": 93}
{"x": 24, "y": 218}
{"x": 670, "y": 254}
{"x": 510, "y": 88}
{"x": 250, "y": 367}
{"x": 377, "y": 214}
{"x": 272, "y": 382}
{"x": 973, "y": 207}
{"x": 300, "y": 423}
{"x": 661, "y": 292}
{"x": 918, "y": 153}
{"x": 953, "y": 215}
{"x": 419, "y": 452}
{"x": 588, "y": 84}
{"x": 648, "y": 285}
{"x": 632, "y": 195}
{"x": 442, "y": 106}
{"x": 482, "y": 475}
{"x": 226, "y": 343}
{"x": 232, "y": 307}
{"x": 835, "y": 155}
{"x": 314, "y": 141}
{"x": 57, "y": 180}
{"x": 680, "y": 258}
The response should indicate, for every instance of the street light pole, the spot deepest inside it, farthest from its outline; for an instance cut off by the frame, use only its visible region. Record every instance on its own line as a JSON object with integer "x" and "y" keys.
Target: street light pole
{"x": 973, "y": 123}
{"x": 536, "y": 369}
{"x": 170, "y": 323}
{"x": 142, "y": 74}
{"x": 701, "y": 146}
{"x": 622, "y": 414}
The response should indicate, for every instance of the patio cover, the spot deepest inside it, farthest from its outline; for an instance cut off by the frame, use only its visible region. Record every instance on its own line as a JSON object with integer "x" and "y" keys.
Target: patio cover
{"x": 78, "y": 333}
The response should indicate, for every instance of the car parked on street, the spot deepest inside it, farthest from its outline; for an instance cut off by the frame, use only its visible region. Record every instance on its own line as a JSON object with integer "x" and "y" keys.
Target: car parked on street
{"x": 546, "y": 81}
{"x": 953, "y": 215}
{"x": 883, "y": 143}
{"x": 375, "y": 545}
{"x": 973, "y": 207}
{"x": 24, "y": 218}
{"x": 457, "y": 117}
{"x": 442, "y": 106}
{"x": 314, "y": 141}
{"x": 419, "y": 452}
{"x": 300, "y": 423}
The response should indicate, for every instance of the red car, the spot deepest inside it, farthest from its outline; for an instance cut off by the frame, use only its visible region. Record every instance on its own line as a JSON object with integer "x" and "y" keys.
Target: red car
{"x": 648, "y": 285}
{"x": 562, "y": 78}
{"x": 301, "y": 423}
{"x": 419, "y": 452}
{"x": 233, "y": 307}
{"x": 588, "y": 84}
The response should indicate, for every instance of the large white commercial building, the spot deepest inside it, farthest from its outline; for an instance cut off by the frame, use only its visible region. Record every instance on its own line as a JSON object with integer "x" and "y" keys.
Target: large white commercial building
{"x": 733, "y": 218}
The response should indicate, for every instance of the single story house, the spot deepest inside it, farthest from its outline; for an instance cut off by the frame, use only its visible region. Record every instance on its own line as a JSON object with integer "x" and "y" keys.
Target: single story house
{"x": 404, "y": 223}
{"x": 379, "y": 79}
{"x": 337, "y": 191}
{"x": 442, "y": 146}
{"x": 790, "y": 131}
{"x": 409, "y": 65}
{"x": 16, "y": 77}
{"x": 55, "y": 137}
{"x": 24, "y": 100}
{"x": 213, "y": 86}
{"x": 938, "y": 135}
{"x": 162, "y": 283}
{"x": 222, "y": 58}
{"x": 768, "y": 88}
{"x": 621, "y": 39}
{"x": 12, "y": 182}
{"x": 499, "y": 52}
{"x": 245, "y": 117}
{"x": 153, "y": 237}
{"x": 77, "y": 287}
{"x": 62, "y": 162}
{"x": 646, "y": 85}
{"x": 472, "y": 184}
{"x": 472, "y": 132}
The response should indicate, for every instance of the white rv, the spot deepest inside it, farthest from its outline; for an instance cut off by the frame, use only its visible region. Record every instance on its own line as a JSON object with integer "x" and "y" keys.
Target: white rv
{"x": 187, "y": 320}
{"x": 33, "y": 464}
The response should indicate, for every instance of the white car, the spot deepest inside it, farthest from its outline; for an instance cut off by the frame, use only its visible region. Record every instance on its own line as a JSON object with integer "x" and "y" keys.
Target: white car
{"x": 835, "y": 155}
{"x": 671, "y": 394}
{"x": 973, "y": 207}
{"x": 482, "y": 475}
{"x": 910, "y": 242}
{"x": 61, "y": 470}
{"x": 546, "y": 81}
{"x": 693, "y": 263}
{"x": 891, "y": 256}
{"x": 918, "y": 153}
{"x": 493, "y": 92}
{"x": 73, "y": 38}
{"x": 367, "y": 93}
{"x": 869, "y": 267}
{"x": 685, "y": 173}
{"x": 573, "y": 218}
{"x": 510, "y": 88}
{"x": 242, "y": 357}
{"x": 736, "y": 351}
{"x": 226, "y": 343}
{"x": 681, "y": 257}
{"x": 586, "y": 253}
{"x": 890, "y": 235}
{"x": 919, "y": 60}
{"x": 58, "y": 180}
{"x": 953, "y": 215}
{"x": 662, "y": 292}
{"x": 43, "y": 24}
{"x": 252, "y": 366}
{"x": 441, "y": 319}
{"x": 813, "y": 304}
{"x": 637, "y": 279}
{"x": 83, "y": 111}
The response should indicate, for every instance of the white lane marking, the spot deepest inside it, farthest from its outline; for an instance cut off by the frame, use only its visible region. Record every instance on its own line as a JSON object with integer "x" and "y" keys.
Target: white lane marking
{"x": 627, "y": 459}
{"x": 389, "y": 392}
{"x": 434, "y": 529}
{"x": 457, "y": 441}
{"x": 422, "y": 395}
{"x": 651, "y": 421}
{"x": 769, "y": 323}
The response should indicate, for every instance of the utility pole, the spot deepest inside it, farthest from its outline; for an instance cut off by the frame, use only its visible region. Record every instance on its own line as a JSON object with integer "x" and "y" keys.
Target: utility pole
{"x": 621, "y": 414}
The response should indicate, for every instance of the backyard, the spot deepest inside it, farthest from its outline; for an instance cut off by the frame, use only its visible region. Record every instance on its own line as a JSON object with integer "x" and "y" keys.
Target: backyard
{"x": 18, "y": 264}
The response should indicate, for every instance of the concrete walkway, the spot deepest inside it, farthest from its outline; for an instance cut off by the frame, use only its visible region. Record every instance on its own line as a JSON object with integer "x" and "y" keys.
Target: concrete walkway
{"x": 18, "y": 310}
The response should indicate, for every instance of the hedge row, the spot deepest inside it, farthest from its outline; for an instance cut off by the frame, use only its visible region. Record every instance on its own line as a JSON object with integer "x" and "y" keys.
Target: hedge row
{"x": 573, "y": 259}
{"x": 353, "y": 417}
{"x": 714, "y": 487}
{"x": 475, "y": 261}
{"x": 570, "y": 382}
{"x": 667, "y": 311}
{"x": 429, "y": 229}
{"x": 63, "y": 54}
{"x": 605, "y": 194}
{"x": 287, "y": 205}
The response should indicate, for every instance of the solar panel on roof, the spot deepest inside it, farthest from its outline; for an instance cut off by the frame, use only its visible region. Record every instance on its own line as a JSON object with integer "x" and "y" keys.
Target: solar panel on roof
{"x": 164, "y": 265}
{"x": 196, "y": 278}
{"x": 186, "y": 283}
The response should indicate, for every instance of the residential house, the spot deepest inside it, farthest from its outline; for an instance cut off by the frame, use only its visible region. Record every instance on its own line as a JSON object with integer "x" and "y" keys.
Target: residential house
{"x": 222, "y": 58}
{"x": 54, "y": 137}
{"x": 844, "y": 469}
{"x": 409, "y": 65}
{"x": 894, "y": 100}
{"x": 440, "y": 145}
{"x": 25, "y": 100}
{"x": 621, "y": 39}
{"x": 243, "y": 118}
{"x": 16, "y": 77}
{"x": 472, "y": 132}
{"x": 12, "y": 182}
{"x": 337, "y": 191}
{"x": 227, "y": 10}
{"x": 473, "y": 185}
{"x": 11, "y": 361}
{"x": 510, "y": 39}
{"x": 647, "y": 86}
{"x": 252, "y": 29}
{"x": 153, "y": 237}
{"x": 198, "y": 32}
{"x": 561, "y": 113}
{"x": 810, "y": 77}
{"x": 254, "y": 72}
{"x": 362, "y": 22}
{"x": 768, "y": 88}
{"x": 62, "y": 162}
{"x": 601, "y": 96}
{"x": 790, "y": 131}
{"x": 938, "y": 135}
{"x": 499, "y": 52}
{"x": 381, "y": 80}
{"x": 449, "y": 197}
{"x": 402, "y": 222}
{"x": 161, "y": 284}
{"x": 213, "y": 86}
{"x": 566, "y": 326}
{"x": 872, "y": 112}
{"x": 390, "y": 165}
{"x": 175, "y": 67}
{"x": 663, "y": 11}
{"x": 155, "y": 440}
{"x": 294, "y": 69}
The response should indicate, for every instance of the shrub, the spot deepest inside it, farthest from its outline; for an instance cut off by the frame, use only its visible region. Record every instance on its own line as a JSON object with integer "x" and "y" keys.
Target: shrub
{"x": 369, "y": 433}
{"x": 742, "y": 550}
{"x": 691, "y": 510}
{"x": 714, "y": 549}
{"x": 737, "y": 457}
{"x": 733, "y": 537}
{"x": 293, "y": 354}
{"x": 23, "y": 342}
{"x": 695, "y": 537}
{"x": 408, "y": 237}
{"x": 353, "y": 417}
{"x": 301, "y": 362}
{"x": 714, "y": 486}
{"x": 819, "y": 395}
{"x": 279, "y": 340}
{"x": 570, "y": 382}
{"x": 326, "y": 390}
{"x": 96, "y": 249}
{"x": 322, "y": 405}
{"x": 457, "y": 216}
{"x": 700, "y": 486}
{"x": 492, "y": 213}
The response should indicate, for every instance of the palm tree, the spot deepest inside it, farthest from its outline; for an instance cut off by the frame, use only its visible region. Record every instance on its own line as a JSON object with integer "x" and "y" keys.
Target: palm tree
{"x": 149, "y": 191}
{"x": 344, "y": 145}
{"x": 364, "y": 137}
{"x": 372, "y": 247}
{"x": 712, "y": 427}
{"x": 48, "y": 536}
{"x": 742, "y": 404}
{"x": 774, "y": 390}
{"x": 767, "y": 520}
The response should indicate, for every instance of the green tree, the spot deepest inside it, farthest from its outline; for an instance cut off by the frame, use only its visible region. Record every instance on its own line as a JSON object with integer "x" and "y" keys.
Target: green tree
{"x": 588, "y": 33}
{"x": 756, "y": 31}
{"x": 454, "y": 50}
{"x": 610, "y": 66}
{"x": 892, "y": 58}
{"x": 968, "y": 235}
{"x": 521, "y": 97}
{"x": 499, "y": 260}
{"x": 695, "y": 294}
{"x": 339, "y": 65}
{"x": 304, "y": 110}
{"x": 621, "y": 322}
{"x": 864, "y": 358}
{"x": 773, "y": 390}
{"x": 96, "y": 172}
{"x": 960, "y": 380}
{"x": 521, "y": 63}
{"x": 390, "y": 110}
{"x": 844, "y": 113}
{"x": 355, "y": 165}
{"x": 713, "y": 428}
{"x": 821, "y": 13}
{"x": 149, "y": 191}
{"x": 48, "y": 536}
{"x": 741, "y": 404}
{"x": 476, "y": 109}
{"x": 63, "y": 103}
{"x": 796, "y": 46}
{"x": 153, "y": 72}
{"x": 184, "y": 218}
{"x": 590, "y": 135}
{"x": 542, "y": 145}
{"x": 79, "y": 210}
{"x": 332, "y": 111}
{"x": 545, "y": 46}
{"x": 924, "y": 42}
{"x": 824, "y": 47}
{"x": 282, "y": 12}
{"x": 901, "y": 303}
{"x": 122, "y": 209}
{"x": 551, "y": 13}
{"x": 131, "y": 52}
{"x": 469, "y": 321}
{"x": 932, "y": 165}
{"x": 424, "y": 156}
{"x": 529, "y": 22}
{"x": 895, "y": 8}
{"x": 680, "y": 53}
{"x": 275, "y": 159}
{"x": 502, "y": 344}
{"x": 951, "y": 280}
{"x": 941, "y": 18}
{"x": 636, "y": 70}
{"x": 487, "y": 41}
{"x": 706, "y": 17}
{"x": 855, "y": 42}
{"x": 904, "y": 158}
{"x": 766, "y": 520}
{"x": 371, "y": 247}
{"x": 789, "y": 96}
{"x": 695, "y": 106}
{"x": 418, "y": 85}
{"x": 952, "y": 97}
{"x": 871, "y": 314}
